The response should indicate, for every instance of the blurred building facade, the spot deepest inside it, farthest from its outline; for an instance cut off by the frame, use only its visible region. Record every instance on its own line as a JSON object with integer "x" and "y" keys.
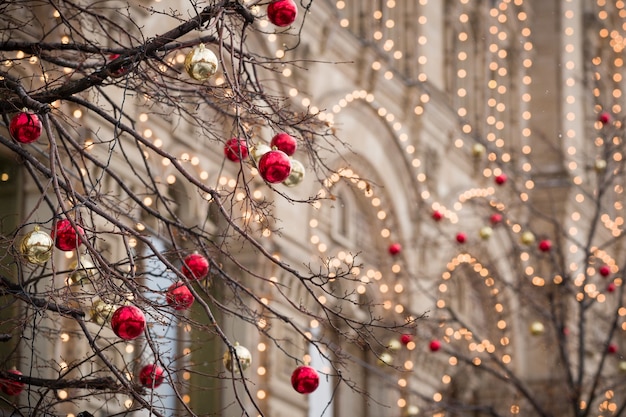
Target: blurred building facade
{"x": 432, "y": 99}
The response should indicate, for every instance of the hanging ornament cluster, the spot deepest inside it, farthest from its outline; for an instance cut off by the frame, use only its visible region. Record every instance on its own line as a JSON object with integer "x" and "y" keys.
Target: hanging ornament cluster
{"x": 275, "y": 163}
{"x": 25, "y": 127}
{"x": 36, "y": 246}
{"x": 201, "y": 63}
{"x": 195, "y": 267}
{"x": 66, "y": 238}
{"x": 305, "y": 379}
{"x": 282, "y": 12}
{"x": 151, "y": 376}
{"x": 243, "y": 356}
{"x": 11, "y": 387}
{"x": 179, "y": 297}
{"x": 128, "y": 322}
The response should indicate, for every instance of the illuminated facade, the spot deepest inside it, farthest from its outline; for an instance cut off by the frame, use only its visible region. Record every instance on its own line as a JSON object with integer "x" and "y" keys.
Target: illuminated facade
{"x": 433, "y": 100}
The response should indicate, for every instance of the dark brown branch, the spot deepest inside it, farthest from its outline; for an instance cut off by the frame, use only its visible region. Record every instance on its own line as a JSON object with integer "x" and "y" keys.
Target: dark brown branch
{"x": 106, "y": 383}
{"x": 7, "y": 287}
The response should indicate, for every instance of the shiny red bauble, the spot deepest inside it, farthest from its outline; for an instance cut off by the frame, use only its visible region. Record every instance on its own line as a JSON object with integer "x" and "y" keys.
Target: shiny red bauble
{"x": 406, "y": 338}
{"x": 25, "y": 127}
{"x": 461, "y": 237}
{"x": 128, "y": 322}
{"x": 605, "y": 270}
{"x": 437, "y": 215}
{"x": 495, "y": 218}
{"x": 195, "y": 266}
{"x": 394, "y": 249}
{"x": 500, "y": 179}
{"x": 545, "y": 245}
{"x": 151, "y": 376}
{"x": 434, "y": 345}
{"x": 611, "y": 287}
{"x": 604, "y": 118}
{"x": 612, "y": 348}
{"x": 284, "y": 142}
{"x": 11, "y": 387}
{"x": 305, "y": 379}
{"x": 274, "y": 166}
{"x": 65, "y": 236}
{"x": 236, "y": 149}
{"x": 179, "y": 296}
{"x": 282, "y": 12}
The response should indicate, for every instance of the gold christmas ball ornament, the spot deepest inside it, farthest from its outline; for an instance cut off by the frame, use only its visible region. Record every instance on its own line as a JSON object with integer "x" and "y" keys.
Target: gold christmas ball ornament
{"x": 394, "y": 344}
{"x": 258, "y": 150}
{"x": 412, "y": 410}
{"x": 485, "y": 232}
{"x": 296, "y": 175}
{"x": 537, "y": 328}
{"x": 101, "y": 312}
{"x": 599, "y": 165}
{"x": 527, "y": 238}
{"x": 385, "y": 359}
{"x": 622, "y": 366}
{"x": 243, "y": 356}
{"x": 36, "y": 247}
{"x": 201, "y": 63}
{"x": 81, "y": 269}
{"x": 478, "y": 150}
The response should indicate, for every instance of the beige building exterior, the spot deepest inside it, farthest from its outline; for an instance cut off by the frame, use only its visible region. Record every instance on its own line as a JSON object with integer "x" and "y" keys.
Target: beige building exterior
{"x": 431, "y": 101}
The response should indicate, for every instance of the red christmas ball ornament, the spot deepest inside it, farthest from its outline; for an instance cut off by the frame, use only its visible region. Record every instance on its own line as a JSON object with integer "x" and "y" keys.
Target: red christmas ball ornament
{"x": 274, "y": 166}
{"x": 305, "y": 379}
{"x": 406, "y": 338}
{"x": 65, "y": 236}
{"x": 605, "y": 270}
{"x": 545, "y": 245}
{"x": 128, "y": 322}
{"x": 195, "y": 267}
{"x": 282, "y": 12}
{"x": 500, "y": 179}
{"x": 612, "y": 348}
{"x": 604, "y": 118}
{"x": 611, "y": 287}
{"x": 394, "y": 249}
{"x": 434, "y": 345}
{"x": 11, "y": 387}
{"x": 179, "y": 296}
{"x": 284, "y": 142}
{"x": 123, "y": 69}
{"x": 461, "y": 237}
{"x": 495, "y": 218}
{"x": 25, "y": 127}
{"x": 236, "y": 149}
{"x": 437, "y": 215}
{"x": 151, "y": 376}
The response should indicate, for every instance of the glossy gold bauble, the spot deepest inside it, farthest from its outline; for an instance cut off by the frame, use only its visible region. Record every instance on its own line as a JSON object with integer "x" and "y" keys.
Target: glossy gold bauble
{"x": 101, "y": 312}
{"x": 296, "y": 175}
{"x": 36, "y": 247}
{"x": 537, "y": 328}
{"x": 528, "y": 238}
{"x": 485, "y": 232}
{"x": 258, "y": 150}
{"x": 81, "y": 270}
{"x": 478, "y": 150}
{"x": 201, "y": 63}
{"x": 385, "y": 359}
{"x": 243, "y": 356}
